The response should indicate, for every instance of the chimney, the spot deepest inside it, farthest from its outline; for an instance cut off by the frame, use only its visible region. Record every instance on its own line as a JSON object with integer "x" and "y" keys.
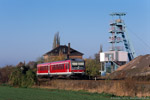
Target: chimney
{"x": 68, "y": 51}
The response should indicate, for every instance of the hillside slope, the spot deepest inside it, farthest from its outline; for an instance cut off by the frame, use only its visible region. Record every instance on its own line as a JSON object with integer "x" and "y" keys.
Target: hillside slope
{"x": 138, "y": 67}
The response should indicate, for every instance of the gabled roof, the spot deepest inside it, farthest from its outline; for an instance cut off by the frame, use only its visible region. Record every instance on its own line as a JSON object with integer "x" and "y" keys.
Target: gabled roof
{"x": 64, "y": 50}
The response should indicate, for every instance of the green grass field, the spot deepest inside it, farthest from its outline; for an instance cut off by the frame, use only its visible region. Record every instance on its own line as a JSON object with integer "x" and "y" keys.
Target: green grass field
{"x": 11, "y": 93}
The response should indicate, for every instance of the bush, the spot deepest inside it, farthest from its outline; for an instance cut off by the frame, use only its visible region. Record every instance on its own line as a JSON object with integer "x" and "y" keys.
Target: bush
{"x": 21, "y": 79}
{"x": 15, "y": 77}
{"x": 92, "y": 67}
{"x": 30, "y": 78}
{"x": 5, "y": 73}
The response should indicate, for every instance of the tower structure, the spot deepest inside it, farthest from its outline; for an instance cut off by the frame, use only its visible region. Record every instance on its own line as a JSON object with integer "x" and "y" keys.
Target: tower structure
{"x": 119, "y": 35}
{"x": 117, "y": 28}
{"x": 121, "y": 50}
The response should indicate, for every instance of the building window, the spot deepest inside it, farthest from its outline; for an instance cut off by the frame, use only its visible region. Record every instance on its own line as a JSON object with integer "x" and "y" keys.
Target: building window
{"x": 64, "y": 50}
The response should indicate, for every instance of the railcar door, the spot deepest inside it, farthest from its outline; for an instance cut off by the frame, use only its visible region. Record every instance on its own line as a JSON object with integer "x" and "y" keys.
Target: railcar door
{"x": 66, "y": 67}
{"x": 49, "y": 69}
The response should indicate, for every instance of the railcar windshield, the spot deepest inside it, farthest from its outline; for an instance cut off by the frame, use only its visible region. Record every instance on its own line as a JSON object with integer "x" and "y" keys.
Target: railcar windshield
{"x": 77, "y": 64}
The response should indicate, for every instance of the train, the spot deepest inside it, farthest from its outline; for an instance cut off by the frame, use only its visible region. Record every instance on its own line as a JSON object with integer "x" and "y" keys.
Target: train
{"x": 68, "y": 68}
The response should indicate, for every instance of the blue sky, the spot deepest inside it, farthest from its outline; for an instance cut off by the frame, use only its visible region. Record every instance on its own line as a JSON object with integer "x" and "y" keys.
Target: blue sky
{"x": 27, "y": 27}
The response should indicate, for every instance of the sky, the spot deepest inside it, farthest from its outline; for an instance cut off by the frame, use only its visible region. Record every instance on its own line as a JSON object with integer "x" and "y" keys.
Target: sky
{"x": 27, "y": 27}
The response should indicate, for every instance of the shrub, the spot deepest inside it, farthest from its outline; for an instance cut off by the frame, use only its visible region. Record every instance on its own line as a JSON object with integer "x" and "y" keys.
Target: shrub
{"x": 92, "y": 67}
{"x": 21, "y": 79}
{"x": 5, "y": 73}
{"x": 30, "y": 78}
{"x": 15, "y": 77}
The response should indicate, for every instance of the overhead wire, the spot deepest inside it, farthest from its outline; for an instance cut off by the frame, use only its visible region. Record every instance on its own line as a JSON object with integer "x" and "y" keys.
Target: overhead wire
{"x": 142, "y": 43}
{"x": 139, "y": 38}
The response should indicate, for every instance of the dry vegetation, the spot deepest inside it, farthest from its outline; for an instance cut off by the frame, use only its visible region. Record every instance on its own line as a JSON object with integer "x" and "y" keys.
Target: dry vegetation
{"x": 116, "y": 87}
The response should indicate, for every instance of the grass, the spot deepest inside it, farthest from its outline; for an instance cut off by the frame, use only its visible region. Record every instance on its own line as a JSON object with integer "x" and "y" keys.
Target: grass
{"x": 11, "y": 93}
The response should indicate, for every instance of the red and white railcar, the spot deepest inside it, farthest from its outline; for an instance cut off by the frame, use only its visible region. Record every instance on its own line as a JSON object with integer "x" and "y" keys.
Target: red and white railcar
{"x": 66, "y": 67}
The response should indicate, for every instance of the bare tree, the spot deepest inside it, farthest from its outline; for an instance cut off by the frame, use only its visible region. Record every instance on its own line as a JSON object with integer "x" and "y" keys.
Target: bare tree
{"x": 56, "y": 41}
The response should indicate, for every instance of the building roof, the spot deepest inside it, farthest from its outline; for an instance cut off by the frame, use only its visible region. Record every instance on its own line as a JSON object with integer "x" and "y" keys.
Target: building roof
{"x": 64, "y": 50}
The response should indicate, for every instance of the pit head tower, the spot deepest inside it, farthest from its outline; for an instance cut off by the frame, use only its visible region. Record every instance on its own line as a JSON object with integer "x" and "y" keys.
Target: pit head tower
{"x": 121, "y": 50}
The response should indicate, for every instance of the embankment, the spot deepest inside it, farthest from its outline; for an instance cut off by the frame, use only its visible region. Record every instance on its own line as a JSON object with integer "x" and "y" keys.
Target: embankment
{"x": 116, "y": 87}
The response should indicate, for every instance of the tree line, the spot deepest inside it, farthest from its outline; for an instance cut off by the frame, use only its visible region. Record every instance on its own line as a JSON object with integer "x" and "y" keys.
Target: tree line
{"x": 22, "y": 75}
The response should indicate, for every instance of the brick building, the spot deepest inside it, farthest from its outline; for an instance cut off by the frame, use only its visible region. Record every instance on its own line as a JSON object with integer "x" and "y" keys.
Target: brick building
{"x": 64, "y": 50}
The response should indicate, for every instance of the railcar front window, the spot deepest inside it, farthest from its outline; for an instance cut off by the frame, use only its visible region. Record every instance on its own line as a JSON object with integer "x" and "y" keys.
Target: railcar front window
{"x": 77, "y": 64}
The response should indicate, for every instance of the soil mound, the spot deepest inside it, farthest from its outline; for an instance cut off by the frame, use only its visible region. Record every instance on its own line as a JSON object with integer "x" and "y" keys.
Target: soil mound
{"x": 137, "y": 68}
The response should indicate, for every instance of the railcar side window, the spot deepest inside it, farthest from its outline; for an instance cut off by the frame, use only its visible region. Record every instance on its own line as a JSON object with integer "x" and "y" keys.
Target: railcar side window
{"x": 43, "y": 68}
{"x": 60, "y": 66}
{"x": 53, "y": 67}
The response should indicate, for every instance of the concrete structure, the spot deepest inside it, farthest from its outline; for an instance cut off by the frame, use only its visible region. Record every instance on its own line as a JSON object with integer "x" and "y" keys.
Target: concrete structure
{"x": 111, "y": 60}
{"x": 119, "y": 56}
